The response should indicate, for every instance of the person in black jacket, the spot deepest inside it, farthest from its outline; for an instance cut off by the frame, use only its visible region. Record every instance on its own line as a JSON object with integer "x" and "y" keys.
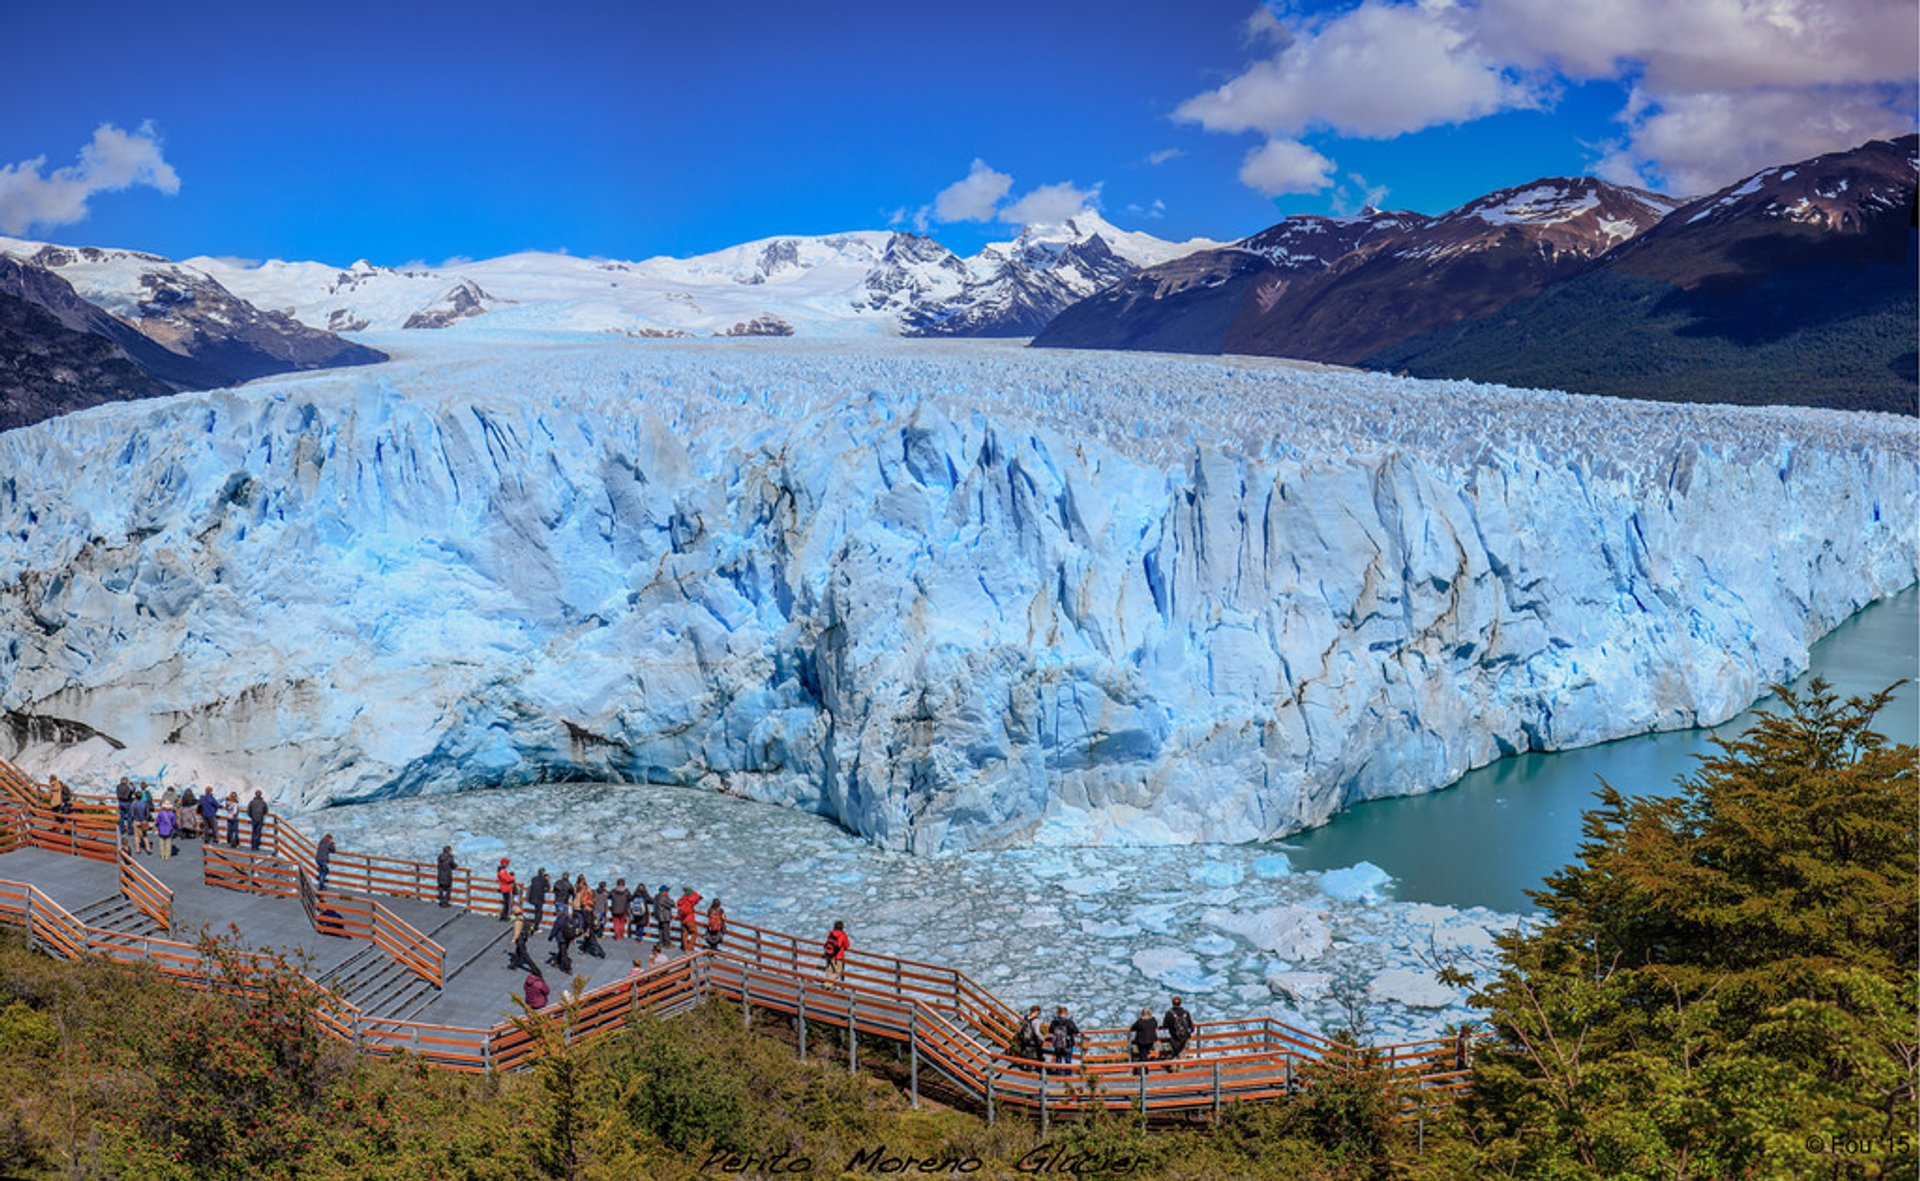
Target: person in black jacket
{"x": 443, "y": 875}
{"x": 322, "y": 860}
{"x": 256, "y": 816}
{"x": 123, "y": 796}
{"x": 523, "y": 929}
{"x": 1178, "y": 1023}
{"x": 1145, "y": 1031}
{"x": 537, "y": 895}
{"x": 619, "y": 905}
{"x": 562, "y": 937}
{"x": 1063, "y": 1034}
{"x": 663, "y": 913}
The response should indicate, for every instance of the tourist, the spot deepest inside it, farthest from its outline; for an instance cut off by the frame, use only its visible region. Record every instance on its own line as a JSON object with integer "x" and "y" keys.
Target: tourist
{"x": 141, "y": 812}
{"x": 186, "y": 815}
{"x": 563, "y": 892}
{"x": 583, "y": 904}
{"x": 619, "y": 904}
{"x": 1031, "y": 1041}
{"x": 536, "y": 989}
{"x": 1146, "y": 1031}
{"x": 503, "y": 878}
{"x": 1462, "y": 1049}
{"x": 256, "y": 818}
{"x": 209, "y": 815}
{"x": 639, "y": 965}
{"x": 561, "y": 936}
{"x": 166, "y": 827}
{"x": 689, "y": 907}
{"x": 62, "y": 804}
{"x": 1178, "y": 1023}
{"x": 123, "y": 797}
{"x": 663, "y": 915}
{"x": 716, "y": 925}
{"x": 230, "y": 812}
{"x": 523, "y": 929}
{"x": 1062, "y": 1034}
{"x": 537, "y": 895}
{"x": 601, "y": 901}
{"x": 443, "y": 875}
{"x": 323, "y": 860}
{"x": 589, "y": 938}
{"x": 835, "y": 951}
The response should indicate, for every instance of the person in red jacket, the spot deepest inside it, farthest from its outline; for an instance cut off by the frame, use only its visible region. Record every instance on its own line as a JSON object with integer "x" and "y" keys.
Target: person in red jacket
{"x": 689, "y": 917}
{"x": 507, "y": 885}
{"x": 836, "y": 951}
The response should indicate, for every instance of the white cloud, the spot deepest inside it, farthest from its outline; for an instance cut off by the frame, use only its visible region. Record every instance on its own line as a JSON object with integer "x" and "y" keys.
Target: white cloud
{"x": 1286, "y": 166}
{"x": 112, "y": 161}
{"x": 1050, "y": 205}
{"x": 1164, "y": 155}
{"x": 1157, "y": 209}
{"x": 1719, "y": 88}
{"x": 974, "y": 197}
{"x": 1697, "y": 143}
{"x": 1381, "y": 70}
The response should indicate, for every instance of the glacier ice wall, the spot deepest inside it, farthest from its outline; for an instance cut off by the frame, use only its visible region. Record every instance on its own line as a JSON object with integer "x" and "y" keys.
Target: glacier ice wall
{"x": 955, "y": 596}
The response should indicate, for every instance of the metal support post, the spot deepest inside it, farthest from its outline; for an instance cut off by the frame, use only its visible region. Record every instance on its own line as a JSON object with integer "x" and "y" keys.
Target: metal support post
{"x": 1043, "y": 1103}
{"x": 989, "y": 1095}
{"x": 1216, "y": 1092}
{"x": 802, "y": 1019}
{"x": 853, "y": 1037}
{"x": 913, "y": 1056}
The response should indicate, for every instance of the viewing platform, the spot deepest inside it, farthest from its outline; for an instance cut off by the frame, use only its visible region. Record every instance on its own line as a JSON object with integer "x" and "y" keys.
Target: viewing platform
{"x": 393, "y": 971}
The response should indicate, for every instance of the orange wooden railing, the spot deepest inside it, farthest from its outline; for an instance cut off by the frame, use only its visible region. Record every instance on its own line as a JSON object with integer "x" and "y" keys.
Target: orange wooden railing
{"x": 149, "y": 895}
{"x": 946, "y": 1019}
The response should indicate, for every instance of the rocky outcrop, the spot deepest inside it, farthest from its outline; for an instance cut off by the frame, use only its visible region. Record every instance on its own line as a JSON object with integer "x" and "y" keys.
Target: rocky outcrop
{"x": 463, "y": 301}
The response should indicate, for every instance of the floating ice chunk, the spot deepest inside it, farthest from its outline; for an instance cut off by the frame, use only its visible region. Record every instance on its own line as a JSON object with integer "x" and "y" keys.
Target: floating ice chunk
{"x": 1414, "y": 988}
{"x": 1299, "y": 988}
{"x": 1100, "y": 930}
{"x": 1291, "y": 932}
{"x": 1356, "y": 883}
{"x": 1089, "y": 886}
{"x": 1153, "y": 918}
{"x": 847, "y": 877}
{"x": 1177, "y": 969}
{"x": 1218, "y": 873}
{"x": 672, "y": 833}
{"x": 1213, "y": 945}
{"x": 1273, "y": 865}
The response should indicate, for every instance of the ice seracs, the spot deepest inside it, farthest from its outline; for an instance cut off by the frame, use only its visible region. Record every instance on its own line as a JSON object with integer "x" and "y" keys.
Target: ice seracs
{"x": 954, "y": 596}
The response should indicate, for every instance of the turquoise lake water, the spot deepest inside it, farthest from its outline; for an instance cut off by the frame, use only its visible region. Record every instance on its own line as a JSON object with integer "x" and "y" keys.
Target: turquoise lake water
{"x": 1494, "y": 835}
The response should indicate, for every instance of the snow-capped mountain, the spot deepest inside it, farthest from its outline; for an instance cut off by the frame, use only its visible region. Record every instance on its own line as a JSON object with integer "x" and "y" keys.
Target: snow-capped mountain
{"x": 1796, "y": 284}
{"x": 85, "y": 326}
{"x": 870, "y": 282}
{"x": 1339, "y": 289}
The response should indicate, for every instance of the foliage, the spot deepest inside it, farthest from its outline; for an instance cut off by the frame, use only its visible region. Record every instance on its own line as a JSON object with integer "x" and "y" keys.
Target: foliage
{"x": 1724, "y": 983}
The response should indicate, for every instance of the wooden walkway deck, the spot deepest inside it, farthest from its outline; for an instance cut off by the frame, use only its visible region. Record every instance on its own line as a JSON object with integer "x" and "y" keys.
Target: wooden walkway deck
{"x": 396, "y": 972}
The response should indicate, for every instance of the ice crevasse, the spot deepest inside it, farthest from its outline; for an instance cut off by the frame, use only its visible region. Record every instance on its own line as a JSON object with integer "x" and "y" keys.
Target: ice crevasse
{"x": 955, "y": 596}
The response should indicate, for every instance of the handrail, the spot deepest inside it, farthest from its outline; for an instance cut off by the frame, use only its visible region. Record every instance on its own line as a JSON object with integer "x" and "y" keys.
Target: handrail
{"x": 149, "y": 895}
{"x": 927, "y": 1005}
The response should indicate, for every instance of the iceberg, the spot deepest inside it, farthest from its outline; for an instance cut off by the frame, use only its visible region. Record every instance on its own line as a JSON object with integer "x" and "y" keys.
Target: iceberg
{"x": 953, "y": 596}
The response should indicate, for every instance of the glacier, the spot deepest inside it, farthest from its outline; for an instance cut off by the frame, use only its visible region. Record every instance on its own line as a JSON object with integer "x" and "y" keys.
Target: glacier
{"x": 954, "y": 596}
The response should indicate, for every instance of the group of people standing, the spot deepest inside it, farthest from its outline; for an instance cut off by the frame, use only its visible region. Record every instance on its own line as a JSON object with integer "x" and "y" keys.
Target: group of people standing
{"x": 148, "y": 825}
{"x": 584, "y": 913}
{"x": 1061, "y": 1036}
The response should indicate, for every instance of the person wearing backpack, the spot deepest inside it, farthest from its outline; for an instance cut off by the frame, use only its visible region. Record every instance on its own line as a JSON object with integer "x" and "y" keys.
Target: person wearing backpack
{"x": 835, "y": 951}
{"x": 1031, "y": 1041}
{"x": 1178, "y": 1023}
{"x": 1062, "y": 1033}
{"x": 716, "y": 925}
{"x": 256, "y": 818}
{"x": 562, "y": 938}
{"x": 443, "y": 876}
{"x": 123, "y": 796}
{"x": 142, "y": 812}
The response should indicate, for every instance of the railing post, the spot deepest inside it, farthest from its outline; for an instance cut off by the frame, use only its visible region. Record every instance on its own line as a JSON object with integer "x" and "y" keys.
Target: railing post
{"x": 802, "y": 1019}
{"x": 913, "y": 1056}
{"x": 1143, "y": 1090}
{"x": 746, "y": 998}
{"x": 853, "y": 1036}
{"x": 1420, "y": 1132}
{"x": 989, "y": 1095}
{"x": 1216, "y": 1092}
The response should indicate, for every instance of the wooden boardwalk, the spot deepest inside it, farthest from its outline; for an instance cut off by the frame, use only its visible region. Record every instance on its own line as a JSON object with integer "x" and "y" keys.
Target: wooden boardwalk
{"x": 394, "y": 971}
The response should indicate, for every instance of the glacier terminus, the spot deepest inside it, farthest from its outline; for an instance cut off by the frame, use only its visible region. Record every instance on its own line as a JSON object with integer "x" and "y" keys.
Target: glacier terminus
{"x": 953, "y": 595}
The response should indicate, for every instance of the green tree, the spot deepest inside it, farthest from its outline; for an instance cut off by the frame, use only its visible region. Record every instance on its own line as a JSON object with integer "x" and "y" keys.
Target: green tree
{"x": 1723, "y": 984}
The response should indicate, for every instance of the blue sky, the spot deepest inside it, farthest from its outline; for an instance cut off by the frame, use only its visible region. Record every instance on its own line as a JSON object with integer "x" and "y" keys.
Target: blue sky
{"x": 408, "y": 131}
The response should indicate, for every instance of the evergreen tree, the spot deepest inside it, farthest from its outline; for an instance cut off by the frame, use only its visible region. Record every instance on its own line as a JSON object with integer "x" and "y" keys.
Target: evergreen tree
{"x": 1724, "y": 983}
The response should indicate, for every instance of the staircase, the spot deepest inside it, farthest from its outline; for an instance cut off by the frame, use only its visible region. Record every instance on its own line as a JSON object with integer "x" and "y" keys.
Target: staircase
{"x": 118, "y": 922}
{"x": 377, "y": 983}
